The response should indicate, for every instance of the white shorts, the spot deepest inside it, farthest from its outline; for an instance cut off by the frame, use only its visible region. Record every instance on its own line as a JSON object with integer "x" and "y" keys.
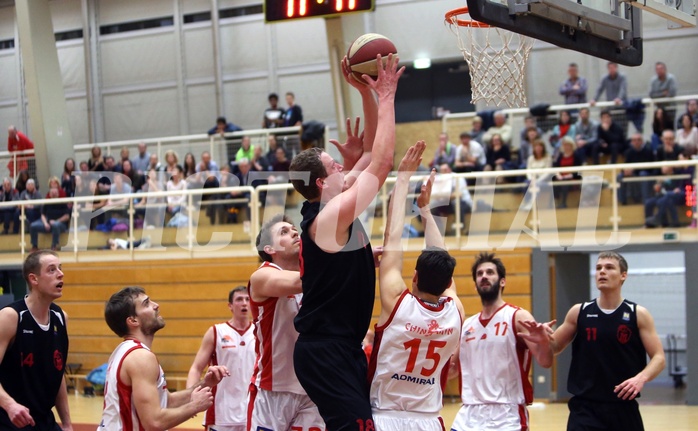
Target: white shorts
{"x": 226, "y": 428}
{"x": 491, "y": 417}
{"x": 279, "y": 411}
{"x": 406, "y": 421}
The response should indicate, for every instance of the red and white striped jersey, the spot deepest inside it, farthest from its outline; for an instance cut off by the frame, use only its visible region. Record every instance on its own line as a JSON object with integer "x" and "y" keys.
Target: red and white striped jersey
{"x": 494, "y": 362}
{"x": 276, "y": 338}
{"x": 234, "y": 349}
{"x": 411, "y": 351}
{"x": 119, "y": 411}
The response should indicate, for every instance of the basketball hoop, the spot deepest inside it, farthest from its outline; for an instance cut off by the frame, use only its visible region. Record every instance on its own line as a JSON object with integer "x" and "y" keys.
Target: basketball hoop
{"x": 497, "y": 64}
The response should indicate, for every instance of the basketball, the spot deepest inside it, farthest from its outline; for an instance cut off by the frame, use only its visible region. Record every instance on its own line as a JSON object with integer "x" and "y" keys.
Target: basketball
{"x": 362, "y": 53}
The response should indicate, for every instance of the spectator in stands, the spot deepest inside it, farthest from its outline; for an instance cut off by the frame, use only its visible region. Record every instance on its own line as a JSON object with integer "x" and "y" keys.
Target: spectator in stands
{"x": 443, "y": 194}
{"x": 669, "y": 194}
{"x": 8, "y": 194}
{"x": 574, "y": 89}
{"x": 259, "y": 162}
{"x": 98, "y": 188}
{"x": 669, "y": 151}
{"x": 135, "y": 178}
{"x": 109, "y": 164}
{"x": 611, "y": 139}
{"x": 31, "y": 212}
{"x": 294, "y": 114}
{"x": 539, "y": 159}
{"x": 154, "y": 164}
{"x": 663, "y": 84}
{"x": 445, "y": 153}
{"x": 96, "y": 162}
{"x": 692, "y": 110}
{"x": 500, "y": 128}
{"x": 282, "y": 163}
{"x": 18, "y": 141}
{"x": 498, "y": 156}
{"x": 176, "y": 183}
{"x": 638, "y": 152}
{"x": 614, "y": 84}
{"x": 242, "y": 172}
{"x": 660, "y": 122}
{"x": 123, "y": 156}
{"x": 528, "y": 137}
{"x": 222, "y": 127}
{"x": 470, "y": 155}
{"x": 22, "y": 178}
{"x": 563, "y": 128}
{"x": 246, "y": 150}
{"x": 141, "y": 162}
{"x": 171, "y": 162}
{"x": 567, "y": 158}
{"x": 55, "y": 183}
{"x": 687, "y": 135}
{"x": 54, "y": 219}
{"x": 587, "y": 133}
{"x": 68, "y": 177}
{"x": 477, "y": 132}
{"x": 119, "y": 187}
{"x": 189, "y": 168}
{"x": 271, "y": 154}
{"x": 208, "y": 175}
{"x": 273, "y": 115}
{"x": 146, "y": 207}
{"x": 84, "y": 166}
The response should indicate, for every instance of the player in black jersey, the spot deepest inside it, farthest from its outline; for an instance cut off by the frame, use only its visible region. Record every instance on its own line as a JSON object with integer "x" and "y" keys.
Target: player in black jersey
{"x": 34, "y": 351}
{"x": 337, "y": 265}
{"x": 610, "y": 338}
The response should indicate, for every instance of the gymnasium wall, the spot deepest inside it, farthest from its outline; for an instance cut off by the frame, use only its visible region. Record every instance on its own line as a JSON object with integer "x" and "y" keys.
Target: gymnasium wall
{"x": 159, "y": 82}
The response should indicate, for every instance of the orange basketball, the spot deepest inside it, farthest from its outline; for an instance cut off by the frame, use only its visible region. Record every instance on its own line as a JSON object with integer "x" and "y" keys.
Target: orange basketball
{"x": 362, "y": 54}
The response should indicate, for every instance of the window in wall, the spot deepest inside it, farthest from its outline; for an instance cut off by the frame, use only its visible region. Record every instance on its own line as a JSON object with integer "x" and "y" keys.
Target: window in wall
{"x": 427, "y": 94}
{"x": 197, "y": 17}
{"x": 167, "y": 21}
{"x": 240, "y": 11}
{"x": 7, "y": 44}
{"x": 68, "y": 35}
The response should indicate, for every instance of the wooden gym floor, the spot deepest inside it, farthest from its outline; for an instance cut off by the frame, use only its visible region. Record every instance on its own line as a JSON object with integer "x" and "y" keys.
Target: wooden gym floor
{"x": 544, "y": 417}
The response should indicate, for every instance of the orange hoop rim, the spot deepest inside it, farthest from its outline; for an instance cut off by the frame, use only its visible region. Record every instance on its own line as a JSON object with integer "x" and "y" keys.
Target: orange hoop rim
{"x": 450, "y": 15}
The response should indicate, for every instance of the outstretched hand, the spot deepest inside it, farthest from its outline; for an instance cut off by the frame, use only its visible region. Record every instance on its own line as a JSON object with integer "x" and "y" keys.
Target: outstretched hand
{"x": 425, "y": 192}
{"x": 350, "y": 78}
{"x": 385, "y": 83}
{"x": 412, "y": 158}
{"x": 214, "y": 375}
{"x": 351, "y": 150}
{"x": 630, "y": 388}
{"x": 538, "y": 333}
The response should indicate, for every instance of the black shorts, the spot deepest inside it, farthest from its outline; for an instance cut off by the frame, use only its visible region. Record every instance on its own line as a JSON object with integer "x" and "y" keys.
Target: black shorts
{"x": 586, "y": 415}
{"x": 334, "y": 374}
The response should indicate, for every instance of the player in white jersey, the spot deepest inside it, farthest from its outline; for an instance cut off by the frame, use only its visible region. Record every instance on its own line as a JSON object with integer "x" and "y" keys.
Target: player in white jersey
{"x": 495, "y": 356}
{"x": 277, "y": 400}
{"x": 232, "y": 345}
{"x": 418, "y": 330}
{"x": 135, "y": 392}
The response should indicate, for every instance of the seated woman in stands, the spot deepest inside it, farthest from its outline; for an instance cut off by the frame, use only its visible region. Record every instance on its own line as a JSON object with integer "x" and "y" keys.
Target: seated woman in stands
{"x": 539, "y": 159}
{"x": 687, "y": 135}
{"x": 566, "y": 158}
{"x": 498, "y": 156}
{"x": 176, "y": 203}
{"x": 564, "y": 127}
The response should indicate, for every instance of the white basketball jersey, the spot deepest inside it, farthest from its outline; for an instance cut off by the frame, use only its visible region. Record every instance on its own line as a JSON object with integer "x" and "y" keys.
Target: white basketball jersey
{"x": 494, "y": 363}
{"x": 119, "y": 411}
{"x": 276, "y": 338}
{"x": 410, "y": 355}
{"x": 236, "y": 351}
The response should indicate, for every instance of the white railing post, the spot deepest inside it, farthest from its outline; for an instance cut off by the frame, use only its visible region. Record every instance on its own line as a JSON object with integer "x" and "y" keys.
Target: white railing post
{"x": 535, "y": 190}
{"x": 22, "y": 225}
{"x": 615, "y": 186}
{"x": 255, "y": 224}
{"x": 190, "y": 224}
{"x": 131, "y": 238}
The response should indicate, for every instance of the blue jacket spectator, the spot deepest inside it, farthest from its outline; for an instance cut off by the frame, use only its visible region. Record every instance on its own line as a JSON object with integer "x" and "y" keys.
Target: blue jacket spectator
{"x": 223, "y": 126}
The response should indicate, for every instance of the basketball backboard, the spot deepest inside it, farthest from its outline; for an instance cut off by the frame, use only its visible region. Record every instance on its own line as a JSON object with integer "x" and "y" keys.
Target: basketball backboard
{"x": 609, "y": 29}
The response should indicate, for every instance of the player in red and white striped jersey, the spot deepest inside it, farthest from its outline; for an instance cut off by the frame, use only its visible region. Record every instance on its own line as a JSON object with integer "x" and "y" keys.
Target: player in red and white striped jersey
{"x": 135, "y": 392}
{"x": 277, "y": 400}
{"x": 418, "y": 330}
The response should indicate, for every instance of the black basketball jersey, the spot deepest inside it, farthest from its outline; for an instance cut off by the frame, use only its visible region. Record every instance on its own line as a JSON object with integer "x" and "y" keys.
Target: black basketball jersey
{"x": 338, "y": 288}
{"x": 33, "y": 365}
{"x": 606, "y": 351}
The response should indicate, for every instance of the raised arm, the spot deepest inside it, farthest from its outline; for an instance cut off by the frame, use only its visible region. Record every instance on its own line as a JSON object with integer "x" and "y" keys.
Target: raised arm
{"x": 629, "y": 389}
{"x": 566, "y": 332}
{"x": 536, "y": 336}
{"x": 331, "y": 229}
{"x": 269, "y": 282}
{"x": 390, "y": 275}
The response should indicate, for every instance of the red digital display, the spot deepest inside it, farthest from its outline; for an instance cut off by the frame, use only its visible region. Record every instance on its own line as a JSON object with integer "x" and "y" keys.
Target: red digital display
{"x": 281, "y": 10}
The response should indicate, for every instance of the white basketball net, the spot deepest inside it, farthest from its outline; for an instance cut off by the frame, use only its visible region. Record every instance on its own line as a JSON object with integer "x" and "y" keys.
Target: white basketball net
{"x": 497, "y": 64}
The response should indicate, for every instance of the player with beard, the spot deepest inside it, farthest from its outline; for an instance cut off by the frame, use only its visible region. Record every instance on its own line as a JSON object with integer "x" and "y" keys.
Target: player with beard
{"x": 232, "y": 345}
{"x": 135, "y": 392}
{"x": 495, "y": 356}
